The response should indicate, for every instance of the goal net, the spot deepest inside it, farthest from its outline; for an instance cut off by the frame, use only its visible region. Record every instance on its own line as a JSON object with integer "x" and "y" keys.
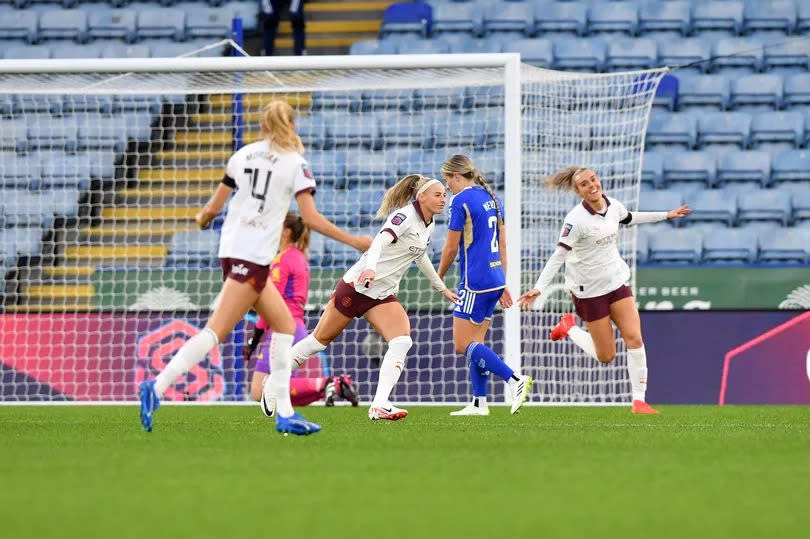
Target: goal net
{"x": 103, "y": 167}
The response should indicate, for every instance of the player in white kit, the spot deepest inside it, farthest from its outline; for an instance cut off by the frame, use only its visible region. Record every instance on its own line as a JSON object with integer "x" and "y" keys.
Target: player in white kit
{"x": 266, "y": 175}
{"x": 597, "y": 277}
{"x": 369, "y": 287}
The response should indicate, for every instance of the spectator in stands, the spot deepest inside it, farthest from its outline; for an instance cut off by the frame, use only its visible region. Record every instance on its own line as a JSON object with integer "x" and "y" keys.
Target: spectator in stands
{"x": 271, "y": 12}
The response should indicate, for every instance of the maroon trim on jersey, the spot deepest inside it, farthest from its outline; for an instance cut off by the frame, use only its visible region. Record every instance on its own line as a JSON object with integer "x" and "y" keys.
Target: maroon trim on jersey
{"x": 305, "y": 189}
{"x": 593, "y": 211}
{"x": 564, "y": 246}
{"x": 418, "y": 208}
{"x": 393, "y": 234}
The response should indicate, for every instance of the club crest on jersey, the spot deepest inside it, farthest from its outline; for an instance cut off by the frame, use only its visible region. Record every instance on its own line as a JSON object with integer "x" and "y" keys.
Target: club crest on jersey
{"x": 398, "y": 218}
{"x": 307, "y": 172}
{"x": 566, "y": 229}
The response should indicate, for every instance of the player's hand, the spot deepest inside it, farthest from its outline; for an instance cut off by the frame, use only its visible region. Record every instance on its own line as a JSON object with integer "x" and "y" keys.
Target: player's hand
{"x": 506, "y": 299}
{"x": 361, "y": 243}
{"x": 527, "y": 299}
{"x": 451, "y": 296}
{"x": 203, "y": 218}
{"x": 366, "y": 278}
{"x": 683, "y": 211}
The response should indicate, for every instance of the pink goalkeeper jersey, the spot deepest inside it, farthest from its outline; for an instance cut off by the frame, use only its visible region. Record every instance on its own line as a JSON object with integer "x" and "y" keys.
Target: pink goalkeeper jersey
{"x": 290, "y": 274}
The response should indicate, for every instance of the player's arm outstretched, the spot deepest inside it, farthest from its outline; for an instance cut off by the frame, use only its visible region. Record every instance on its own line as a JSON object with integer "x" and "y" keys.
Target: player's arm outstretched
{"x": 644, "y": 217}
{"x": 436, "y": 282}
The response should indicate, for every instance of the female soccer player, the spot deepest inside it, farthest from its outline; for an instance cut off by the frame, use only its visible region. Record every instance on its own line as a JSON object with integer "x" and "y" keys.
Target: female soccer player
{"x": 476, "y": 224}
{"x": 290, "y": 275}
{"x": 266, "y": 175}
{"x": 369, "y": 287}
{"x": 597, "y": 277}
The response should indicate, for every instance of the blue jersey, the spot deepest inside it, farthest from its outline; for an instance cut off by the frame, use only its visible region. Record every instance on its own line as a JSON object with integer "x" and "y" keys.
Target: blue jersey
{"x": 473, "y": 213}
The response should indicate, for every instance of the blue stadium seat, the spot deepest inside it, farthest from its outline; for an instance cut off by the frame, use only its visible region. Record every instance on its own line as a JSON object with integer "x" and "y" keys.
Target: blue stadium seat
{"x": 683, "y": 52}
{"x": 314, "y": 131}
{"x": 504, "y": 16}
{"x": 676, "y": 246}
{"x": 27, "y": 52}
{"x": 194, "y": 249}
{"x": 19, "y": 24}
{"x": 337, "y": 100}
{"x": 45, "y": 132}
{"x": 491, "y": 164}
{"x": 27, "y": 241}
{"x": 580, "y": 54}
{"x": 387, "y": 100}
{"x": 67, "y": 170}
{"x": 439, "y": 98}
{"x": 724, "y": 245}
{"x": 784, "y": 246}
{"x": 675, "y": 129}
{"x": 102, "y": 133}
{"x": 404, "y": 129}
{"x": 642, "y": 245}
{"x": 756, "y": 92}
{"x": 70, "y": 50}
{"x": 739, "y": 55}
{"x": 803, "y": 18}
{"x": 660, "y": 200}
{"x": 629, "y": 54}
{"x": 777, "y": 127}
{"x": 146, "y": 103}
{"x": 800, "y": 197}
{"x": 712, "y": 206}
{"x": 424, "y": 46}
{"x": 751, "y": 166}
{"x": 135, "y": 124}
{"x": 327, "y": 167}
{"x": 25, "y": 209}
{"x": 64, "y": 24}
{"x": 666, "y": 95}
{"x": 789, "y": 55}
{"x": 210, "y": 22}
{"x": 791, "y": 166}
{"x": 113, "y": 23}
{"x": 352, "y": 130}
{"x": 364, "y": 168}
{"x": 122, "y": 50}
{"x": 724, "y": 128}
{"x": 247, "y": 10}
{"x": 39, "y": 103}
{"x": 769, "y": 15}
{"x": 162, "y": 22}
{"x": 652, "y": 170}
{"x": 458, "y": 17}
{"x": 764, "y": 205}
{"x": 718, "y": 16}
{"x": 19, "y": 171}
{"x": 92, "y": 103}
{"x": 450, "y": 128}
{"x": 617, "y": 16}
{"x": 665, "y": 17}
{"x": 485, "y": 96}
{"x": 690, "y": 167}
{"x": 537, "y": 52}
{"x": 369, "y": 46}
{"x": 797, "y": 90}
{"x": 559, "y": 17}
{"x": 62, "y": 202}
{"x": 407, "y": 17}
{"x": 704, "y": 92}
{"x": 13, "y": 135}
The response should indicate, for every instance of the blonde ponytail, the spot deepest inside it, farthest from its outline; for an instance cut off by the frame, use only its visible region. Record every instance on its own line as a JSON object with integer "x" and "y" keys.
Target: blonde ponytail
{"x": 400, "y": 194}
{"x": 463, "y": 165}
{"x": 564, "y": 179}
{"x": 277, "y": 123}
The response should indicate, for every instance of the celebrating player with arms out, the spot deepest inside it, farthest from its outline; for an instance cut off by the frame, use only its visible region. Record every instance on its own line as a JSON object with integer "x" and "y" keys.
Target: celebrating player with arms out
{"x": 476, "y": 225}
{"x": 369, "y": 287}
{"x": 597, "y": 277}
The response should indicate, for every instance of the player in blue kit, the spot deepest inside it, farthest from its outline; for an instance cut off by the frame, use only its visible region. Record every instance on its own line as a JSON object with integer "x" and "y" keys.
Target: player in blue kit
{"x": 476, "y": 233}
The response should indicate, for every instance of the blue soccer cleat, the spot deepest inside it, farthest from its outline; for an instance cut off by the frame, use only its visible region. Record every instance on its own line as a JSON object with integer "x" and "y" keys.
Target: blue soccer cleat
{"x": 296, "y": 424}
{"x": 149, "y": 403}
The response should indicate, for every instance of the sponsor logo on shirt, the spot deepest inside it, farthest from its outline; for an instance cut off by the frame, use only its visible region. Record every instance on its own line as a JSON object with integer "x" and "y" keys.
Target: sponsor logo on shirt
{"x": 398, "y": 218}
{"x": 606, "y": 240}
{"x": 566, "y": 229}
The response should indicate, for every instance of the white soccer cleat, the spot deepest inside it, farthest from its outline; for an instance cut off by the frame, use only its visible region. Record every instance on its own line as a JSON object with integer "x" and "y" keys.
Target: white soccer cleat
{"x": 388, "y": 412}
{"x": 472, "y": 409}
{"x": 268, "y": 405}
{"x": 520, "y": 390}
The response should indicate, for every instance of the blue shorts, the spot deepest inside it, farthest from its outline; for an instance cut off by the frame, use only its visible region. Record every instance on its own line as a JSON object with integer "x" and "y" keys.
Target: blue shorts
{"x": 476, "y": 306}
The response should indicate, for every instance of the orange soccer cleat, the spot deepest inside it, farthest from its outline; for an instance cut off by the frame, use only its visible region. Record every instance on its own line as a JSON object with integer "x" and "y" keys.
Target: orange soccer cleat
{"x": 641, "y": 407}
{"x": 561, "y": 329}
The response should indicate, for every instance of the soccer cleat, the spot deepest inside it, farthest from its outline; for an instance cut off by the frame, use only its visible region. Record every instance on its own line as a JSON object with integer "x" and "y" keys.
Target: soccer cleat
{"x": 268, "y": 405}
{"x": 520, "y": 390}
{"x": 472, "y": 409}
{"x": 296, "y": 424}
{"x": 641, "y": 407}
{"x": 330, "y": 391}
{"x": 389, "y": 412}
{"x": 149, "y": 403}
{"x": 346, "y": 390}
{"x": 561, "y": 329}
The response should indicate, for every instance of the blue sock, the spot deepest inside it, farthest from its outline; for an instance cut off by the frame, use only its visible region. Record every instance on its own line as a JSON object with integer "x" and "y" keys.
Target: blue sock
{"x": 479, "y": 377}
{"x": 477, "y": 353}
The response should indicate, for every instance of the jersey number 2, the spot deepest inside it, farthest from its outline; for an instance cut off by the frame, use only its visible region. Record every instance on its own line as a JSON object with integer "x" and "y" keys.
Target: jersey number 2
{"x": 493, "y": 224}
{"x": 253, "y": 174}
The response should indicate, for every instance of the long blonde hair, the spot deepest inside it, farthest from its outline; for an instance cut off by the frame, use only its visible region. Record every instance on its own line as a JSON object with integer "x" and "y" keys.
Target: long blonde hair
{"x": 277, "y": 123}
{"x": 400, "y": 194}
{"x": 463, "y": 165}
{"x": 564, "y": 179}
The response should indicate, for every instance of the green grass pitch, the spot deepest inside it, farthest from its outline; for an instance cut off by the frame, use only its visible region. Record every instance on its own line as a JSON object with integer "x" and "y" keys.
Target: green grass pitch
{"x": 548, "y": 472}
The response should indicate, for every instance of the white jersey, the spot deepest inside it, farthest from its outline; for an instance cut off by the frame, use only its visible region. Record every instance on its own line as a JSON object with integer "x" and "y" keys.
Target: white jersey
{"x": 411, "y": 239}
{"x": 266, "y": 181}
{"x": 593, "y": 266}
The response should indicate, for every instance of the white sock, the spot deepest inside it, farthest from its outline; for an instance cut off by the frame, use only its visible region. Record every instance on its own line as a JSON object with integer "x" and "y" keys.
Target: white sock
{"x": 190, "y": 354}
{"x": 277, "y": 385}
{"x": 304, "y": 349}
{"x": 584, "y": 340}
{"x": 393, "y": 364}
{"x": 479, "y": 402}
{"x": 637, "y": 367}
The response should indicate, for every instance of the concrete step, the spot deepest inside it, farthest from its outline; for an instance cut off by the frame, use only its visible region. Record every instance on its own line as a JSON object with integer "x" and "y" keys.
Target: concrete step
{"x": 63, "y": 292}
{"x": 202, "y": 176}
{"x": 179, "y": 213}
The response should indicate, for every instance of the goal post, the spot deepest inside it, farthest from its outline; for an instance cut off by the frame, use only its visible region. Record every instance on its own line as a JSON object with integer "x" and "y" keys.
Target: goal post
{"x": 107, "y": 160}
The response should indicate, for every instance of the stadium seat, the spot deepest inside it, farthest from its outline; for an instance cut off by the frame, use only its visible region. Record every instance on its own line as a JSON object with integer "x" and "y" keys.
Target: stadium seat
{"x": 194, "y": 249}
{"x": 784, "y": 246}
{"x": 27, "y": 241}
{"x": 800, "y": 199}
{"x": 659, "y": 200}
{"x": 122, "y": 50}
{"x": 387, "y": 100}
{"x": 652, "y": 169}
{"x": 25, "y": 209}
{"x": 537, "y": 52}
{"x": 407, "y": 17}
{"x": 724, "y": 128}
{"x": 642, "y": 245}
{"x": 491, "y": 164}
{"x": 502, "y": 16}
{"x": 404, "y": 129}
{"x": 703, "y": 92}
{"x": 789, "y": 55}
{"x": 712, "y": 206}
{"x": 337, "y": 100}
{"x": 673, "y": 16}
{"x": 27, "y": 52}
{"x": 352, "y": 130}
{"x": 690, "y": 167}
{"x": 724, "y": 245}
{"x": 756, "y": 92}
{"x": 45, "y": 132}
{"x": 145, "y": 103}
{"x": 327, "y": 167}
{"x": 629, "y": 54}
{"x": 66, "y": 170}
{"x": 369, "y": 46}
{"x": 458, "y": 17}
{"x": 450, "y": 128}
{"x": 718, "y": 16}
{"x": 19, "y": 24}
{"x": 439, "y": 98}
{"x": 676, "y": 246}
{"x": 769, "y": 15}
{"x": 752, "y": 166}
{"x": 777, "y": 127}
{"x": 13, "y": 135}
{"x": 19, "y": 170}
{"x": 666, "y": 95}
{"x": 247, "y": 10}
{"x": 64, "y": 24}
{"x": 675, "y": 130}
{"x": 559, "y": 17}
{"x": 580, "y": 55}
{"x": 162, "y": 22}
{"x": 690, "y": 53}
{"x": 210, "y": 22}
{"x": 803, "y": 18}
{"x": 612, "y": 17}
{"x": 102, "y": 133}
{"x": 314, "y": 131}
{"x": 764, "y": 205}
{"x": 423, "y": 46}
{"x": 485, "y": 96}
{"x": 62, "y": 202}
{"x": 791, "y": 166}
{"x": 113, "y": 24}
{"x": 738, "y": 56}
{"x": 364, "y": 168}
{"x": 39, "y": 103}
{"x": 71, "y": 50}
{"x": 797, "y": 90}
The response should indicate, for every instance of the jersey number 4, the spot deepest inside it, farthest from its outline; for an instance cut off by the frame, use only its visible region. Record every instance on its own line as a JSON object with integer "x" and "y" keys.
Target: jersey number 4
{"x": 493, "y": 224}
{"x": 258, "y": 194}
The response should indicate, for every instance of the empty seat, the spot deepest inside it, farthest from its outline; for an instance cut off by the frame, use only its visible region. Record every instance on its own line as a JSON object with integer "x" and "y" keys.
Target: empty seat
{"x": 749, "y": 166}
{"x": 738, "y": 54}
{"x": 369, "y": 168}
{"x": 769, "y": 15}
{"x": 143, "y": 103}
{"x": 327, "y": 167}
{"x": 56, "y": 133}
{"x": 102, "y": 133}
{"x": 27, "y": 241}
{"x": 791, "y": 166}
{"x": 613, "y": 17}
{"x": 439, "y": 98}
{"x": 803, "y": 18}
{"x": 338, "y": 99}
{"x": 652, "y": 169}
{"x": 786, "y": 246}
{"x": 353, "y": 130}
{"x": 71, "y": 50}
{"x": 775, "y": 127}
{"x": 659, "y": 200}
{"x": 684, "y": 52}
{"x": 691, "y": 167}
{"x": 570, "y": 17}
{"x": 757, "y": 92}
{"x": 13, "y": 135}
{"x": 788, "y": 55}
{"x": 423, "y": 46}
{"x": 19, "y": 24}
{"x": 458, "y": 17}
{"x": 673, "y": 129}
{"x": 27, "y": 52}
{"x": 580, "y": 55}
{"x": 210, "y": 22}
{"x": 491, "y": 164}
{"x": 718, "y": 16}
{"x": 537, "y": 52}
{"x": 666, "y": 95}
{"x": 369, "y": 46}
{"x": 62, "y": 202}
{"x": 24, "y": 208}
{"x": 19, "y": 171}
{"x": 403, "y": 129}
{"x": 703, "y": 92}
{"x": 60, "y": 169}
{"x": 194, "y": 248}
{"x": 676, "y": 246}
{"x": 504, "y": 16}
{"x": 764, "y": 205}
{"x": 113, "y": 23}
{"x": 665, "y": 17}
{"x": 730, "y": 245}
{"x": 404, "y": 17}
{"x": 800, "y": 198}
{"x": 628, "y": 54}
{"x": 122, "y": 50}
{"x": 162, "y": 22}
{"x": 712, "y": 205}
{"x": 63, "y": 24}
{"x": 797, "y": 90}
{"x": 724, "y": 128}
